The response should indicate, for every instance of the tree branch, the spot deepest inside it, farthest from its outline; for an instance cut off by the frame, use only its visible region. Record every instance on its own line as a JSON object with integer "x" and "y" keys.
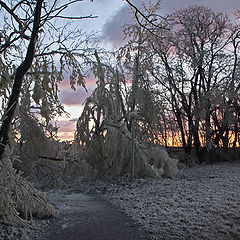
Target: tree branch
{"x": 11, "y": 12}
{"x": 77, "y": 18}
{"x": 137, "y": 11}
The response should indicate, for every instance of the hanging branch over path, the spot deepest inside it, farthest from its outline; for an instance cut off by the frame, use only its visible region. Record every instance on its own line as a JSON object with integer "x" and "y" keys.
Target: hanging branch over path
{"x": 20, "y": 73}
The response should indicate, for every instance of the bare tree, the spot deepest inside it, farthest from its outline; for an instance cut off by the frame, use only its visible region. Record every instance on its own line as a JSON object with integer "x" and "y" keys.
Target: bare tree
{"x": 192, "y": 62}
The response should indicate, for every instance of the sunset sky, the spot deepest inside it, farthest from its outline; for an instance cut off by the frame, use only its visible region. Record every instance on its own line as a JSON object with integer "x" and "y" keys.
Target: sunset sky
{"x": 112, "y": 15}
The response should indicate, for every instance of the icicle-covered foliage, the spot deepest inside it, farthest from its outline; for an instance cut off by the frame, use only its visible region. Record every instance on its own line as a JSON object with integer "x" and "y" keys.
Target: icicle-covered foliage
{"x": 159, "y": 158}
{"x": 19, "y": 200}
{"x": 105, "y": 127}
{"x": 60, "y": 173}
{"x": 33, "y": 144}
{"x": 112, "y": 155}
{"x": 60, "y": 52}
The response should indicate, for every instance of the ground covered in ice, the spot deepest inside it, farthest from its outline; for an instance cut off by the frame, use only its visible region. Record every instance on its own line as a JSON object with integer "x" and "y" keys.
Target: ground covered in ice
{"x": 201, "y": 203}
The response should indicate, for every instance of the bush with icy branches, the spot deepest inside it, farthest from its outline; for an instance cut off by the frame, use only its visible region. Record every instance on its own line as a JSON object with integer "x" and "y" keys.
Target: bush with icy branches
{"x": 19, "y": 200}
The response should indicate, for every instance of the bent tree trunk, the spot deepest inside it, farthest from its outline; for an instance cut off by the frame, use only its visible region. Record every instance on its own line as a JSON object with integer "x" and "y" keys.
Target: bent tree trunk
{"x": 19, "y": 76}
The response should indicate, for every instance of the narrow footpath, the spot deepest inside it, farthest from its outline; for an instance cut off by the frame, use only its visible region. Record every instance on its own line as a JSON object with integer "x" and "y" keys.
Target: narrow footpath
{"x": 89, "y": 217}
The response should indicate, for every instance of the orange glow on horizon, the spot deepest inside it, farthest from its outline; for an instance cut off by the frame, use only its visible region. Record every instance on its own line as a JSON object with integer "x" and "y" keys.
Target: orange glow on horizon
{"x": 65, "y": 136}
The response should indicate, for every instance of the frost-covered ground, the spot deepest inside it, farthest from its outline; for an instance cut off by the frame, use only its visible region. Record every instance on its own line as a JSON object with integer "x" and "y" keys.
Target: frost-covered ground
{"x": 201, "y": 203}
{"x": 30, "y": 232}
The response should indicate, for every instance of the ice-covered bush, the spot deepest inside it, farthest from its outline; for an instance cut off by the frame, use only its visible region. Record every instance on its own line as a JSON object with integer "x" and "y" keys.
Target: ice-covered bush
{"x": 159, "y": 158}
{"x": 19, "y": 200}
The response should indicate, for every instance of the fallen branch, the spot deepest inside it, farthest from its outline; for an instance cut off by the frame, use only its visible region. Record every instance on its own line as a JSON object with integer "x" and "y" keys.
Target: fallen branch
{"x": 51, "y": 158}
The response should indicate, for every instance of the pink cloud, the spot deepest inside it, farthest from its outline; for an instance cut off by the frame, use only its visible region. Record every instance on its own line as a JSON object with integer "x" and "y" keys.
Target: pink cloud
{"x": 65, "y": 83}
{"x": 71, "y": 97}
{"x": 67, "y": 126}
{"x": 90, "y": 81}
{"x": 66, "y": 129}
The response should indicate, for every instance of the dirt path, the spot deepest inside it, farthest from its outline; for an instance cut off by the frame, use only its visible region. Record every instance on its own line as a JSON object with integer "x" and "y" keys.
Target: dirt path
{"x": 89, "y": 217}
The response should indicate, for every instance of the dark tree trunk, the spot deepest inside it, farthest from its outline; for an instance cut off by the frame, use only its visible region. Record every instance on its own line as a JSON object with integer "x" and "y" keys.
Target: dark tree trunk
{"x": 225, "y": 139}
{"x": 180, "y": 125}
{"x": 235, "y": 134}
{"x": 190, "y": 136}
{"x": 18, "y": 80}
{"x": 197, "y": 144}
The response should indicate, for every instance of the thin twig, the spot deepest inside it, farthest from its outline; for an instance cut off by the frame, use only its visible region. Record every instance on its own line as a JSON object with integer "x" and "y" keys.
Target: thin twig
{"x": 76, "y": 18}
{"x": 137, "y": 11}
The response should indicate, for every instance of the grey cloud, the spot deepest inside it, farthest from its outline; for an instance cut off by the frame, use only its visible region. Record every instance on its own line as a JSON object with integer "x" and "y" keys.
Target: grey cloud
{"x": 103, "y": 9}
{"x": 66, "y": 126}
{"x": 226, "y": 6}
{"x": 112, "y": 29}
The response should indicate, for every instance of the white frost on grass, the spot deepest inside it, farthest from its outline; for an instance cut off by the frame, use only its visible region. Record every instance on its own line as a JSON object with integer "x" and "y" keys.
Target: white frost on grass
{"x": 202, "y": 203}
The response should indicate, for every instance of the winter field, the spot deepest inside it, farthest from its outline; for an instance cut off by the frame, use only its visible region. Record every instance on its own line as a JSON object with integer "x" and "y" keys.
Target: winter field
{"x": 201, "y": 203}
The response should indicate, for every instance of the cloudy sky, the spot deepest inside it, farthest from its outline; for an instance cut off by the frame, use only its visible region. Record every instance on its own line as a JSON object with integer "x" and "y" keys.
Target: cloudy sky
{"x": 112, "y": 15}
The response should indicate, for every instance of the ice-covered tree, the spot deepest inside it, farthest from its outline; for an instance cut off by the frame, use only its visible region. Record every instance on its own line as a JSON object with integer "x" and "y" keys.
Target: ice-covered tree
{"x": 38, "y": 48}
